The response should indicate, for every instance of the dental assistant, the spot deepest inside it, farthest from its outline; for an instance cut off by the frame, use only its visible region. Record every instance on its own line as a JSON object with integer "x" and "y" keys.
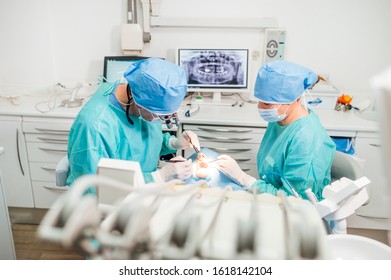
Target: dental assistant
{"x": 296, "y": 152}
{"x": 124, "y": 121}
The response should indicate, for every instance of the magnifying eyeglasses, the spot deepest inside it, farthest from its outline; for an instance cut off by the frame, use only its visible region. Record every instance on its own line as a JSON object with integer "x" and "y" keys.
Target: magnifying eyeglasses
{"x": 169, "y": 119}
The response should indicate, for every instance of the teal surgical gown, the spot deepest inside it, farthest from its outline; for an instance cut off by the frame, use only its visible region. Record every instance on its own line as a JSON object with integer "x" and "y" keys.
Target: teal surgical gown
{"x": 101, "y": 130}
{"x": 299, "y": 154}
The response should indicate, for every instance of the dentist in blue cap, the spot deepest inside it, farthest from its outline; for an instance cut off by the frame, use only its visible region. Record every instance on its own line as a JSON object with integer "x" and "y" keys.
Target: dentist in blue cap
{"x": 124, "y": 121}
{"x": 296, "y": 153}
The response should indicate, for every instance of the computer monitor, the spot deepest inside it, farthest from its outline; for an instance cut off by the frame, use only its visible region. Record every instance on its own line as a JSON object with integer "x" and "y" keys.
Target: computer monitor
{"x": 215, "y": 70}
{"x": 115, "y": 66}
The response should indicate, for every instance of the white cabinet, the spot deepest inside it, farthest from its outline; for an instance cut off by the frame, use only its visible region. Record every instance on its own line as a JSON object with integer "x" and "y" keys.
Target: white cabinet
{"x": 14, "y": 163}
{"x": 7, "y": 251}
{"x": 241, "y": 143}
{"x": 376, "y": 213}
{"x": 47, "y": 141}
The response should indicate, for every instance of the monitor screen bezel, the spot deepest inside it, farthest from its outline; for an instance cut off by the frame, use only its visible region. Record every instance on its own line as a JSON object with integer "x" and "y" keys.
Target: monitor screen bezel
{"x": 222, "y": 88}
{"x": 119, "y": 58}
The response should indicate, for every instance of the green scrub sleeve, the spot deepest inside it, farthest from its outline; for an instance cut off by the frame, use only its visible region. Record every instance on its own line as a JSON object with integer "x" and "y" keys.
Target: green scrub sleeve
{"x": 264, "y": 187}
{"x": 84, "y": 162}
{"x": 148, "y": 177}
{"x": 166, "y": 150}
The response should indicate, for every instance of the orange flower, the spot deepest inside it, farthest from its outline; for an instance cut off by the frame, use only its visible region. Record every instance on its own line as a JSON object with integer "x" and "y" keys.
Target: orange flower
{"x": 344, "y": 99}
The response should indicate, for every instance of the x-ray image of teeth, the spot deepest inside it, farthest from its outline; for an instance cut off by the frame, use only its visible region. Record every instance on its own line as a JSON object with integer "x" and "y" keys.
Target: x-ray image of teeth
{"x": 215, "y": 67}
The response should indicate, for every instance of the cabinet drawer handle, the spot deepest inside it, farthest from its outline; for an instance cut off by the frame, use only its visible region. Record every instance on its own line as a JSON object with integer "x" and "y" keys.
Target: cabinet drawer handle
{"x": 53, "y": 130}
{"x": 56, "y": 188}
{"x": 246, "y": 169}
{"x": 52, "y": 150}
{"x": 373, "y": 145}
{"x": 18, "y": 151}
{"x": 51, "y": 140}
{"x": 48, "y": 169}
{"x": 223, "y": 138}
{"x": 242, "y": 159}
{"x": 229, "y": 150}
{"x": 225, "y": 130}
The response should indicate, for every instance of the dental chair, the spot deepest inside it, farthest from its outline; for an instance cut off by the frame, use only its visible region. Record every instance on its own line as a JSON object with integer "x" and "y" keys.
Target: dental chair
{"x": 176, "y": 221}
{"x": 344, "y": 165}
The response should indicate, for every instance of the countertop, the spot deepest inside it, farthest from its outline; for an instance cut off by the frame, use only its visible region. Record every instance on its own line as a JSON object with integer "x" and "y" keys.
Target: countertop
{"x": 247, "y": 115}
{"x": 37, "y": 106}
{"x": 208, "y": 114}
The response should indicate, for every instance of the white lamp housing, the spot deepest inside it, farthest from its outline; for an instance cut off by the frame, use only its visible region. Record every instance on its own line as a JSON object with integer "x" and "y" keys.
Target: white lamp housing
{"x": 132, "y": 39}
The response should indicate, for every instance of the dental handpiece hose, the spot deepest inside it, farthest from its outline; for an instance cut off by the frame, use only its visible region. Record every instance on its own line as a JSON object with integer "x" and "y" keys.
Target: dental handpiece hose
{"x": 311, "y": 196}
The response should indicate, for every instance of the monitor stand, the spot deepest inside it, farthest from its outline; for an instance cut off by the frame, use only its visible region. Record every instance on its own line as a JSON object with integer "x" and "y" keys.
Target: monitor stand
{"x": 216, "y": 96}
{"x": 218, "y": 100}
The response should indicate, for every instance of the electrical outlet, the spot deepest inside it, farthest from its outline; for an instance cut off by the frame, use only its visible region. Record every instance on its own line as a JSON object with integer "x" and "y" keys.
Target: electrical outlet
{"x": 274, "y": 44}
{"x": 256, "y": 55}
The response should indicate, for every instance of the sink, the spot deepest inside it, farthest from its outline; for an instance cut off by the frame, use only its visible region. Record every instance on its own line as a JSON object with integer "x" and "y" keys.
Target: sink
{"x": 368, "y": 115}
{"x": 354, "y": 247}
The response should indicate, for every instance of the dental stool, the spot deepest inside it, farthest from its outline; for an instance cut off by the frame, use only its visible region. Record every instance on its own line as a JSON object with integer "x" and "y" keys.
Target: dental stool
{"x": 62, "y": 170}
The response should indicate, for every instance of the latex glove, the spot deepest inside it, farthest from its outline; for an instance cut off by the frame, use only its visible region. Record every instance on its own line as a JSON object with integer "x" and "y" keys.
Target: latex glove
{"x": 231, "y": 168}
{"x": 183, "y": 141}
{"x": 178, "y": 170}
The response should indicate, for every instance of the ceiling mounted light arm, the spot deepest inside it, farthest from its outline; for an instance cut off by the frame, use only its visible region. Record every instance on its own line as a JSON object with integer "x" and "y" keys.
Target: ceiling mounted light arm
{"x": 132, "y": 33}
{"x": 132, "y": 11}
{"x": 146, "y": 7}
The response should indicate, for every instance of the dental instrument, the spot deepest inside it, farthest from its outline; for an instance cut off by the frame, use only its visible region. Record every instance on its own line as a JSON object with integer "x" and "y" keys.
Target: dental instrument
{"x": 191, "y": 143}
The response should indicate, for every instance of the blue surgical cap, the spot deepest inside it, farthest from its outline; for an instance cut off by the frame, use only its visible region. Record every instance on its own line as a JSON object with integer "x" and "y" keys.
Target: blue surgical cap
{"x": 282, "y": 82}
{"x": 157, "y": 85}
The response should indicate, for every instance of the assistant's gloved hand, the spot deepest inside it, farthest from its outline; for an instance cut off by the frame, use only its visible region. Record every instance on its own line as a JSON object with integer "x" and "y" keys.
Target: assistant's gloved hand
{"x": 232, "y": 169}
{"x": 183, "y": 141}
{"x": 170, "y": 171}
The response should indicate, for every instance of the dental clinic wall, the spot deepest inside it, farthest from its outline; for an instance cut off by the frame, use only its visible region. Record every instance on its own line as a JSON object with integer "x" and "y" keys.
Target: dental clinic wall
{"x": 49, "y": 41}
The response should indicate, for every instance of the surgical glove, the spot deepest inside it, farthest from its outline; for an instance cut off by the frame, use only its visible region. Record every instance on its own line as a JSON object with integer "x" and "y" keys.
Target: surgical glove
{"x": 184, "y": 140}
{"x": 178, "y": 170}
{"x": 232, "y": 169}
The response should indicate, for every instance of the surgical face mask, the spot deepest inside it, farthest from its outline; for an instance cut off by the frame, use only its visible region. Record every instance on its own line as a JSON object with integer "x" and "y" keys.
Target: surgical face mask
{"x": 154, "y": 120}
{"x": 271, "y": 115}
{"x": 312, "y": 100}
{"x": 140, "y": 116}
